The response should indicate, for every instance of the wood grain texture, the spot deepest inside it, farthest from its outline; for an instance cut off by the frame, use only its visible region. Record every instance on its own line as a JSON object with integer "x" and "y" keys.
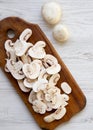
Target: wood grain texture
{"x": 77, "y": 54}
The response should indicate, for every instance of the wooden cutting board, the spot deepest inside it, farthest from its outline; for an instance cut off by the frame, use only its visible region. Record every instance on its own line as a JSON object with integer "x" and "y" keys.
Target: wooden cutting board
{"x": 77, "y": 99}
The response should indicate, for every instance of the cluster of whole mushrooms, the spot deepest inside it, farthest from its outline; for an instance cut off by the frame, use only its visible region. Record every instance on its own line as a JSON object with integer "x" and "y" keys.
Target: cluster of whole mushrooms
{"x": 38, "y": 73}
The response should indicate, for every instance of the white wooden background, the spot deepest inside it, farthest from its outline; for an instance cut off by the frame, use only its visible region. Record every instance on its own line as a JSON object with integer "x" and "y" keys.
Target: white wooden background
{"x": 77, "y": 54}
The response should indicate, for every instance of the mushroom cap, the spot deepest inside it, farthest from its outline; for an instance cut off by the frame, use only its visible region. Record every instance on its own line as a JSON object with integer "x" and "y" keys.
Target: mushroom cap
{"x": 21, "y": 47}
{"x": 66, "y": 88}
{"x": 51, "y": 12}
{"x": 53, "y": 69}
{"x": 31, "y": 70}
{"x": 60, "y": 33}
{"x": 22, "y": 86}
{"x": 25, "y": 35}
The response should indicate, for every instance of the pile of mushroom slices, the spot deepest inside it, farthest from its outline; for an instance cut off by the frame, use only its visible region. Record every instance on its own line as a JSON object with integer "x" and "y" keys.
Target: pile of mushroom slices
{"x": 38, "y": 73}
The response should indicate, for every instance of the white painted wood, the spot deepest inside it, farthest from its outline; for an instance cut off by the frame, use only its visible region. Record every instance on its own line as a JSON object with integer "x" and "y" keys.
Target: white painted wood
{"x": 77, "y": 54}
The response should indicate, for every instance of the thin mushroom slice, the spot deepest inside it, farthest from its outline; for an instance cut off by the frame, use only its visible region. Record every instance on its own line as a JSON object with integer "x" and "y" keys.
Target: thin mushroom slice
{"x": 25, "y": 35}
{"x": 32, "y": 70}
{"x": 15, "y": 68}
{"x": 49, "y": 118}
{"x": 40, "y": 85}
{"x": 11, "y": 55}
{"x": 29, "y": 83}
{"x": 39, "y": 106}
{"x": 59, "y": 113}
{"x": 66, "y": 88}
{"x": 37, "y": 51}
{"x": 22, "y": 86}
{"x": 21, "y": 47}
{"x": 49, "y": 60}
{"x": 9, "y": 45}
{"x": 40, "y": 44}
{"x": 54, "y": 79}
{"x": 53, "y": 69}
{"x": 43, "y": 74}
{"x": 40, "y": 95}
{"x": 32, "y": 97}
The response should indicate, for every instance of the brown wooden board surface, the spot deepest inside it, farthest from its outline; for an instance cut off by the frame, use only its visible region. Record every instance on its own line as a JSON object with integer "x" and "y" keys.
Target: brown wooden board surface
{"x": 77, "y": 99}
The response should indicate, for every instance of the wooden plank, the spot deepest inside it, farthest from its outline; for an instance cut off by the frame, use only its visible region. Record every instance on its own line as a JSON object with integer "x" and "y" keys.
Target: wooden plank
{"x": 77, "y": 99}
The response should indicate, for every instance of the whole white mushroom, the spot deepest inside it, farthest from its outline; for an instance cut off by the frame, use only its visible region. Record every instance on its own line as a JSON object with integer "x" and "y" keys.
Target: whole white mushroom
{"x": 51, "y": 12}
{"x": 60, "y": 33}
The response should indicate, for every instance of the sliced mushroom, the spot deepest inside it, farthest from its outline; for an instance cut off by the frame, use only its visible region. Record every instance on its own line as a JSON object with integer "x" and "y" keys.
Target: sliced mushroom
{"x": 15, "y": 68}
{"x": 21, "y": 47}
{"x": 22, "y": 86}
{"x": 31, "y": 70}
{"x": 49, "y": 118}
{"x": 26, "y": 58}
{"x": 37, "y": 51}
{"x": 53, "y": 69}
{"x": 32, "y": 97}
{"x": 25, "y": 35}
{"x": 9, "y": 45}
{"x": 49, "y": 60}
{"x": 40, "y": 95}
{"x": 39, "y": 106}
{"x": 40, "y": 85}
{"x": 29, "y": 82}
{"x": 54, "y": 79}
{"x": 59, "y": 101}
{"x": 43, "y": 75}
{"x": 65, "y": 97}
{"x": 66, "y": 88}
{"x": 11, "y": 55}
{"x": 58, "y": 114}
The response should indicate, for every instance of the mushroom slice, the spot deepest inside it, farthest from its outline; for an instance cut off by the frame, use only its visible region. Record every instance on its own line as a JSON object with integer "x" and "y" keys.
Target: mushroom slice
{"x": 49, "y": 118}
{"x": 22, "y": 86}
{"x": 43, "y": 74}
{"x": 29, "y": 83}
{"x": 21, "y": 47}
{"x": 31, "y": 70}
{"x": 40, "y": 95}
{"x": 65, "y": 97}
{"x": 49, "y": 60}
{"x": 11, "y": 55}
{"x": 40, "y": 44}
{"x": 53, "y": 69}
{"x": 66, "y": 88}
{"x": 54, "y": 79}
{"x": 40, "y": 85}
{"x": 15, "y": 68}
{"x": 59, "y": 113}
{"x": 25, "y": 35}
{"x": 9, "y": 45}
{"x": 26, "y": 58}
{"x": 37, "y": 51}
{"x": 39, "y": 106}
{"x": 32, "y": 97}
{"x": 58, "y": 101}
